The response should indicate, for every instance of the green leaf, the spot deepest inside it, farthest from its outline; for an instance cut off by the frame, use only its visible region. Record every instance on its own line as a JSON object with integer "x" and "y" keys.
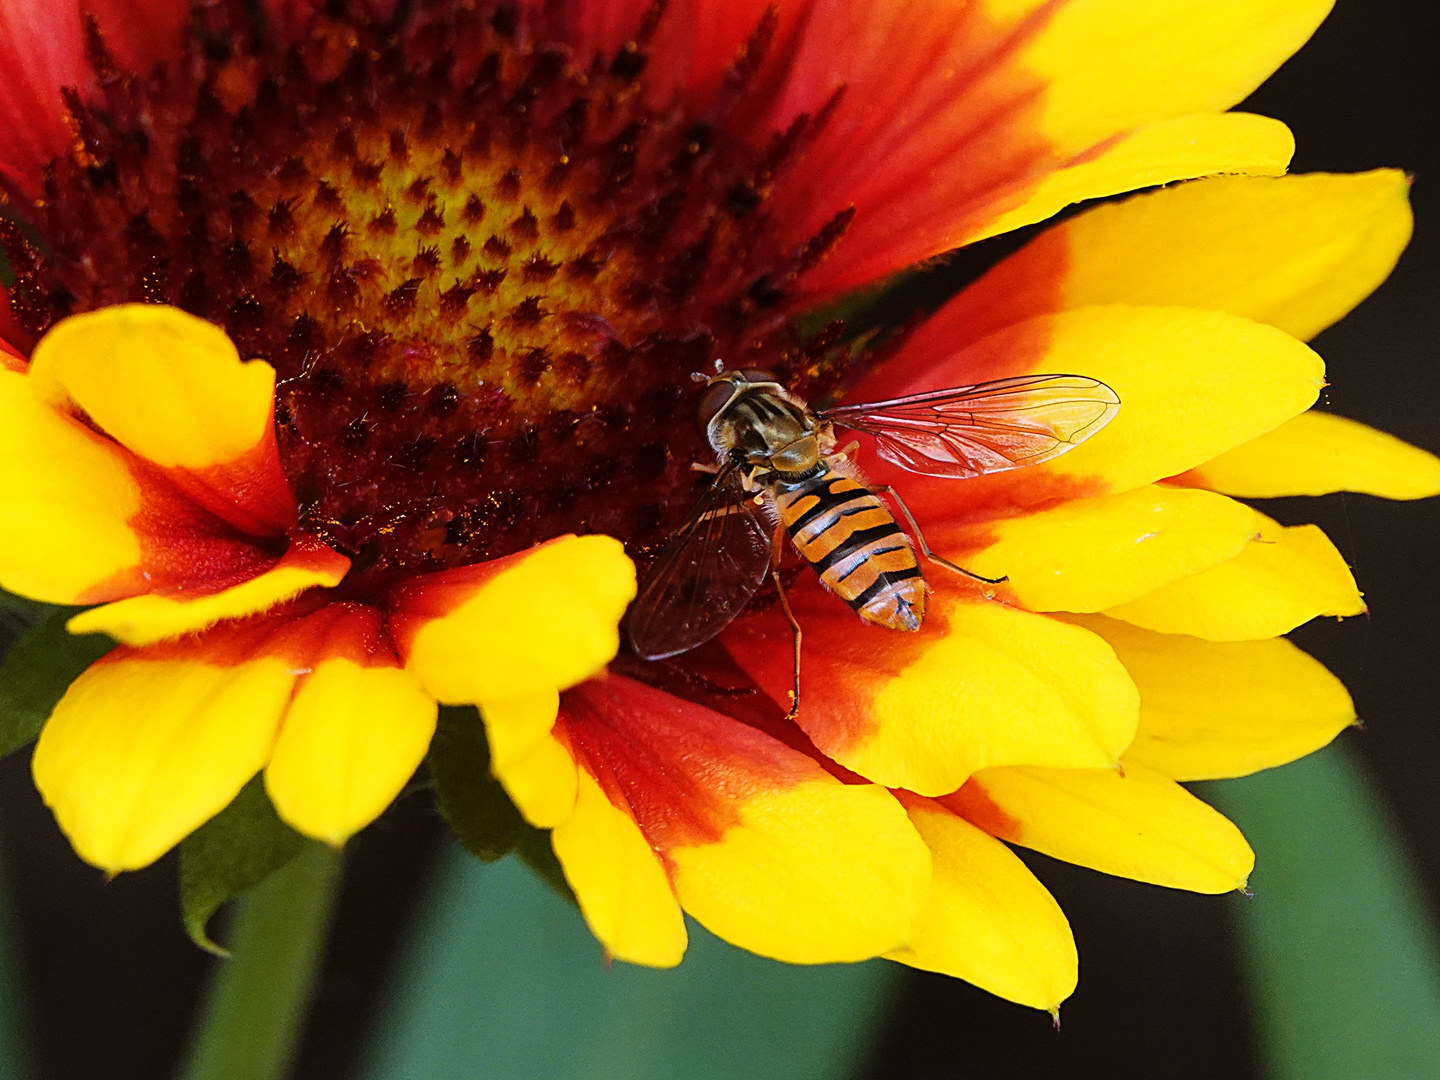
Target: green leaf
{"x": 231, "y": 853}
{"x": 473, "y": 803}
{"x": 1344, "y": 973}
{"x": 861, "y": 309}
{"x": 37, "y": 671}
{"x": 471, "y": 800}
{"x": 502, "y": 979}
{"x": 10, "y": 602}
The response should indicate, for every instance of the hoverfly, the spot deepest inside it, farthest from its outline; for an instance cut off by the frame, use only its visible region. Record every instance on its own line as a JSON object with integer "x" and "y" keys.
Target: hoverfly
{"x": 778, "y": 455}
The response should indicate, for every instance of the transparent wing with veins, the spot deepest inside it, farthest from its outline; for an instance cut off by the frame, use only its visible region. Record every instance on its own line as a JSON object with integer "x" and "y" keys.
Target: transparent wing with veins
{"x": 992, "y": 427}
{"x": 706, "y": 574}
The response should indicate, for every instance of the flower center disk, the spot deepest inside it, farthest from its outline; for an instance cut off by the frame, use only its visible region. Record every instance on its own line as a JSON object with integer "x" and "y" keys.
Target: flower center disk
{"x": 483, "y": 270}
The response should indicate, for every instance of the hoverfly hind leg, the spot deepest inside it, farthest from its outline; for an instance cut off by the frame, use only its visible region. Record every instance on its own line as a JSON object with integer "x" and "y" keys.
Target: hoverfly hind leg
{"x": 925, "y": 548}
{"x": 777, "y": 547}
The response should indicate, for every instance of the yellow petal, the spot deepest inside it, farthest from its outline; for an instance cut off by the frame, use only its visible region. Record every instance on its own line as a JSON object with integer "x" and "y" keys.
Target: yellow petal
{"x": 764, "y": 847}
{"x": 144, "y": 620}
{"x": 1089, "y": 554}
{"x": 172, "y": 389}
{"x": 814, "y": 873}
{"x": 1159, "y": 153}
{"x": 1297, "y": 252}
{"x": 545, "y": 620}
{"x": 164, "y": 384}
{"x": 981, "y": 684}
{"x": 1286, "y": 577}
{"x": 139, "y": 752}
{"x": 66, "y": 496}
{"x": 11, "y": 358}
{"x": 1213, "y": 710}
{"x": 1192, "y": 384}
{"x": 351, "y": 740}
{"x": 541, "y": 782}
{"x": 1137, "y": 824}
{"x": 1116, "y": 64}
{"x": 1002, "y": 686}
{"x": 1157, "y": 71}
{"x": 988, "y": 921}
{"x": 513, "y": 727}
{"x": 618, "y": 881}
{"x": 1317, "y": 453}
{"x": 1010, "y": 105}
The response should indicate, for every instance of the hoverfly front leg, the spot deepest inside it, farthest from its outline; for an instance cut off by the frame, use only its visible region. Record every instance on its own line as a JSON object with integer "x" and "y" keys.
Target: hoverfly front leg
{"x": 777, "y": 548}
{"x": 925, "y": 549}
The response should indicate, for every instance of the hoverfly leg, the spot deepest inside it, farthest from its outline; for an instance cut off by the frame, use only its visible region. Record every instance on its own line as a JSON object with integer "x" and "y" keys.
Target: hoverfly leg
{"x": 925, "y": 549}
{"x": 705, "y": 467}
{"x": 777, "y": 548}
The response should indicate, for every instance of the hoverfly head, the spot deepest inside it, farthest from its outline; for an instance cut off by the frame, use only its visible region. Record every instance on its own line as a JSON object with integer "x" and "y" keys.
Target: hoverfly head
{"x": 718, "y": 394}
{"x": 724, "y": 387}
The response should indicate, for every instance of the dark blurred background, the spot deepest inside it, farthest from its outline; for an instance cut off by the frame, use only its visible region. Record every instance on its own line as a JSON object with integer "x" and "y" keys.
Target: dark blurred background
{"x": 109, "y": 984}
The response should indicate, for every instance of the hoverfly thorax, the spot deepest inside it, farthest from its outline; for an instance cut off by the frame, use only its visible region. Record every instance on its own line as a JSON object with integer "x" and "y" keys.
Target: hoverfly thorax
{"x": 754, "y": 422}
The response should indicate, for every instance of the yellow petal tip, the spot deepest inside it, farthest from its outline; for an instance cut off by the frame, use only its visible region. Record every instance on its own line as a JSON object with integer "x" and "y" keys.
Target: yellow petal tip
{"x": 545, "y": 622}
{"x": 167, "y": 385}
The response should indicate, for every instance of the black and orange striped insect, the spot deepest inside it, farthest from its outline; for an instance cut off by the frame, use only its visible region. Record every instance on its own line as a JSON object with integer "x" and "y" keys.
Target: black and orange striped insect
{"x": 779, "y": 458}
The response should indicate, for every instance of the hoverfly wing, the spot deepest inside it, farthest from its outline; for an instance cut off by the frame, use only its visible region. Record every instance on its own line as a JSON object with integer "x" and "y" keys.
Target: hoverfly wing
{"x": 706, "y": 574}
{"x": 973, "y": 430}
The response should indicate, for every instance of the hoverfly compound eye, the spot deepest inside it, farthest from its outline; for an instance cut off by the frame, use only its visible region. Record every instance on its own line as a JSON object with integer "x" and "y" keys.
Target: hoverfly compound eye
{"x": 714, "y": 399}
{"x": 755, "y": 375}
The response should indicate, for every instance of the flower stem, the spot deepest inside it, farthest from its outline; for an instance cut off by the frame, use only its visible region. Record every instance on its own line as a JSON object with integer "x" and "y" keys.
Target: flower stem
{"x": 258, "y": 999}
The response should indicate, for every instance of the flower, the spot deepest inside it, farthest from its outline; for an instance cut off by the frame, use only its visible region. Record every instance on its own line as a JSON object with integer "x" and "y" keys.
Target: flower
{"x": 448, "y": 269}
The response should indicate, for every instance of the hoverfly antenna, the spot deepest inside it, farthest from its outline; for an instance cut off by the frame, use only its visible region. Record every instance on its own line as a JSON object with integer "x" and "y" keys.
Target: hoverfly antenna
{"x": 700, "y": 376}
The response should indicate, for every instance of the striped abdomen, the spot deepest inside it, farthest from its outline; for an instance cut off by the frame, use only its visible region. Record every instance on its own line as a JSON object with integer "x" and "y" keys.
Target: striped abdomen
{"x": 856, "y": 547}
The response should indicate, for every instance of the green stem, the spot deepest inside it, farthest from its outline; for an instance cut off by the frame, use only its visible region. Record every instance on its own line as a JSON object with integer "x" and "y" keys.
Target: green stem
{"x": 258, "y": 999}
